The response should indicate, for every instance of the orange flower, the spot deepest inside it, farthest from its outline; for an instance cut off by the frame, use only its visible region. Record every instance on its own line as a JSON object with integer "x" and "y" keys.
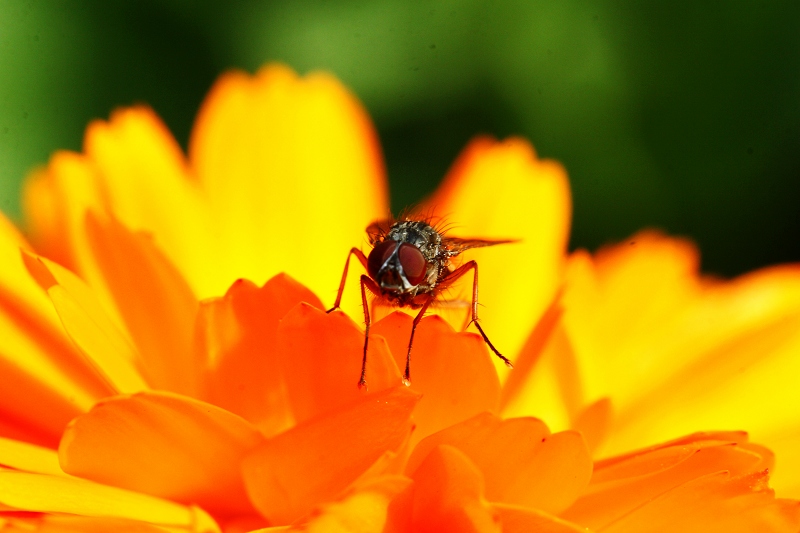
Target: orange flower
{"x": 149, "y": 387}
{"x": 653, "y": 350}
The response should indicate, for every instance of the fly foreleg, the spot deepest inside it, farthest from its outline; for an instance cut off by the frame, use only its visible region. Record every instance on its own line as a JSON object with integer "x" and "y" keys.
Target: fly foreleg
{"x": 367, "y": 284}
{"x": 361, "y": 257}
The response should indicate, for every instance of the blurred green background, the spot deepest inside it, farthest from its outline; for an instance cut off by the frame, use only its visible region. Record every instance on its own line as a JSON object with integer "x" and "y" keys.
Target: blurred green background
{"x": 680, "y": 115}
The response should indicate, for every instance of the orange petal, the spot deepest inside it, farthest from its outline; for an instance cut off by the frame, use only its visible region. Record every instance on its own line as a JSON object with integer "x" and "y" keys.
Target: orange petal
{"x": 36, "y": 406}
{"x": 46, "y": 381}
{"x": 155, "y": 302}
{"x": 165, "y": 445}
{"x": 55, "y": 201}
{"x": 621, "y": 485}
{"x": 282, "y": 157}
{"x": 107, "y": 349}
{"x": 45, "y": 217}
{"x": 453, "y": 371}
{"x": 501, "y": 190}
{"x": 321, "y": 357}
{"x": 714, "y": 503}
{"x": 27, "y": 431}
{"x": 68, "y": 495}
{"x": 448, "y": 495}
{"x": 292, "y": 473}
{"x": 144, "y": 181}
{"x": 238, "y": 339}
{"x": 522, "y": 463}
{"x": 524, "y": 520}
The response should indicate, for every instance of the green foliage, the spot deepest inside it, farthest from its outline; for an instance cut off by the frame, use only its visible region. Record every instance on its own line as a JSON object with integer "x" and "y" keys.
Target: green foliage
{"x": 682, "y": 115}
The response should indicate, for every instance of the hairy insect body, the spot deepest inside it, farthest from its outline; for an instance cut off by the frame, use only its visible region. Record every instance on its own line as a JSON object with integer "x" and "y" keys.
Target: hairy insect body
{"x": 400, "y": 264}
{"x": 409, "y": 266}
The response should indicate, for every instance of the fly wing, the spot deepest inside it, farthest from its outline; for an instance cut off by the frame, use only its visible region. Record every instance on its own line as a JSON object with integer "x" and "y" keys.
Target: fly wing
{"x": 456, "y": 245}
{"x": 378, "y": 230}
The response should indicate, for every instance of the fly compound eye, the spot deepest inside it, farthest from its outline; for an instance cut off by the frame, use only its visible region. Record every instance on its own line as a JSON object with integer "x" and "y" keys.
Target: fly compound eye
{"x": 378, "y": 256}
{"x": 414, "y": 264}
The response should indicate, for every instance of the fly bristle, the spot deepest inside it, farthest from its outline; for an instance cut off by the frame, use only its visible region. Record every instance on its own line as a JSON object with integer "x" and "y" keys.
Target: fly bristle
{"x": 444, "y": 226}
{"x": 406, "y": 214}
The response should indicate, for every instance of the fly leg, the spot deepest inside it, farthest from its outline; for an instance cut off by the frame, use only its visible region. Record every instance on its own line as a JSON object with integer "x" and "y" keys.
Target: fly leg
{"x": 367, "y": 284}
{"x": 407, "y": 373}
{"x": 361, "y": 257}
{"x": 457, "y": 273}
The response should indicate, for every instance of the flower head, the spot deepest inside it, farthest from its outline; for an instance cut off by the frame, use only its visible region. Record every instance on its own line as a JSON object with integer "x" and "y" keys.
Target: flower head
{"x": 152, "y": 387}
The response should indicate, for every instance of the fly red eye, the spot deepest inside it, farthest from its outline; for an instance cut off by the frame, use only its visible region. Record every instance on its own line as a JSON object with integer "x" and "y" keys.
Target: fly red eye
{"x": 415, "y": 267}
{"x": 378, "y": 256}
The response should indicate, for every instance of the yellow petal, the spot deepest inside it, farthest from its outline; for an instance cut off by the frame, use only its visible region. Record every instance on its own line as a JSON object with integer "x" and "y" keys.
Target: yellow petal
{"x": 361, "y": 510}
{"x": 785, "y": 442}
{"x": 16, "y": 285}
{"x": 29, "y": 458}
{"x": 80, "y": 524}
{"x": 530, "y": 355}
{"x": 499, "y": 190}
{"x": 743, "y": 377}
{"x": 670, "y": 351}
{"x": 553, "y": 388}
{"x": 283, "y": 160}
{"x": 621, "y": 312}
{"x": 173, "y": 447}
{"x": 58, "y": 494}
{"x": 593, "y": 422}
{"x": 108, "y": 350}
{"x": 675, "y": 352}
{"x": 146, "y": 184}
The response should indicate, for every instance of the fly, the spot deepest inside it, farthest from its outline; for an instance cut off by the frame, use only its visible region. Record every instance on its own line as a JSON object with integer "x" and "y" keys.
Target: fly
{"x": 409, "y": 266}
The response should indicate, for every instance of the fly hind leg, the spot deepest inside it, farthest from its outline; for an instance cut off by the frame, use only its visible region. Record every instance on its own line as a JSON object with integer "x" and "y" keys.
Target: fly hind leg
{"x": 456, "y": 274}
{"x": 407, "y": 373}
